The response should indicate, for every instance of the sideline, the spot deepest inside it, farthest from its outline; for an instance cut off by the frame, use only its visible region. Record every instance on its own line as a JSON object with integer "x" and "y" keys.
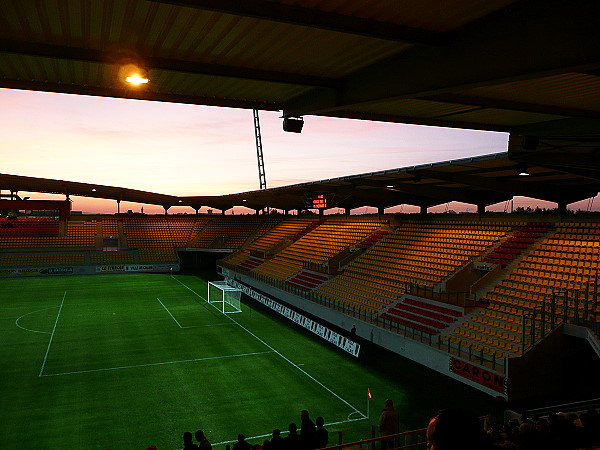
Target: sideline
{"x": 355, "y": 411}
{"x": 341, "y": 422}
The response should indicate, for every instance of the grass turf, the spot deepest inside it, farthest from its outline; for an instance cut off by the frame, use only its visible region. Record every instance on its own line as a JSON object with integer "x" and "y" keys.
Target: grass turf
{"x": 124, "y": 361}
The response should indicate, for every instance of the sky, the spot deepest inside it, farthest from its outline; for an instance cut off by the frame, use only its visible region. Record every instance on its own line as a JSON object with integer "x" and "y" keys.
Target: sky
{"x": 181, "y": 149}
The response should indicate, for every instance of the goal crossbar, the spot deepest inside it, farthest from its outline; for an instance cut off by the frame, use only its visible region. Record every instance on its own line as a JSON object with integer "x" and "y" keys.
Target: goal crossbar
{"x": 224, "y": 297}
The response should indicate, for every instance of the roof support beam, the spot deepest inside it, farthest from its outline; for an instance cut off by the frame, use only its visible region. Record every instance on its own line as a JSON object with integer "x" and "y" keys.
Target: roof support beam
{"x": 512, "y": 105}
{"x": 153, "y": 62}
{"x": 141, "y": 94}
{"x": 511, "y": 187}
{"x": 525, "y": 40}
{"x": 316, "y": 18}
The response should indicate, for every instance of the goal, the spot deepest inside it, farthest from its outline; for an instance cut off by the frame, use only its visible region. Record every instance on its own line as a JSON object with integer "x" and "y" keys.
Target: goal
{"x": 224, "y": 297}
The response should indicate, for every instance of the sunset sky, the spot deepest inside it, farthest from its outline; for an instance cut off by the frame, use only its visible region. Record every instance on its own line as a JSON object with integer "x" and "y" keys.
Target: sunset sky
{"x": 199, "y": 150}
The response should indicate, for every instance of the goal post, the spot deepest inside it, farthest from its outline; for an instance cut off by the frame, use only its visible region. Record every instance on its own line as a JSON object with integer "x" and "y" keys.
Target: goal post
{"x": 224, "y": 297}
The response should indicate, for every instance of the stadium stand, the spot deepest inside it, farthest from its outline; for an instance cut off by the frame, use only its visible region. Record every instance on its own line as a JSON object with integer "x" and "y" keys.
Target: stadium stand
{"x": 389, "y": 271}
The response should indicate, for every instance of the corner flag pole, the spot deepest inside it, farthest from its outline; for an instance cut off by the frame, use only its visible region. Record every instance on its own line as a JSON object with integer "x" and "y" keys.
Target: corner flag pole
{"x": 368, "y": 402}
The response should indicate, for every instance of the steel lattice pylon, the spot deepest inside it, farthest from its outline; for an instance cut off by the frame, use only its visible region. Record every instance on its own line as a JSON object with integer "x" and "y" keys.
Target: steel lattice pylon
{"x": 262, "y": 178}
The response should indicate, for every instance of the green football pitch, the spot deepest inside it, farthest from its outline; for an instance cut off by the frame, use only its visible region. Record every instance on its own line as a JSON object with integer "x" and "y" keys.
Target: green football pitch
{"x": 125, "y": 361}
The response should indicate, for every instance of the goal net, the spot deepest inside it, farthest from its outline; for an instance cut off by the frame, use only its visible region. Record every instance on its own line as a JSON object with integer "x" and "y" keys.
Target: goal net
{"x": 224, "y": 297}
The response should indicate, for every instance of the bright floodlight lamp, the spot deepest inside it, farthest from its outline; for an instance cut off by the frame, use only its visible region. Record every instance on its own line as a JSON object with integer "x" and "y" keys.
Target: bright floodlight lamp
{"x": 133, "y": 74}
{"x": 136, "y": 79}
{"x": 522, "y": 170}
{"x": 293, "y": 124}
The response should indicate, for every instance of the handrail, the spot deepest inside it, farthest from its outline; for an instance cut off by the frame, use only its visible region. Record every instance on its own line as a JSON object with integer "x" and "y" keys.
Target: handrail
{"x": 573, "y": 406}
{"x": 395, "y": 437}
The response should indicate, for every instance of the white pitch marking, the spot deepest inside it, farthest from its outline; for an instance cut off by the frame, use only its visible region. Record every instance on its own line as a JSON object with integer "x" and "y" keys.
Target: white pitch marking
{"x": 104, "y": 369}
{"x": 166, "y": 309}
{"x": 33, "y": 312}
{"x": 191, "y": 326}
{"x": 52, "y": 335}
{"x": 287, "y": 432}
{"x": 283, "y": 357}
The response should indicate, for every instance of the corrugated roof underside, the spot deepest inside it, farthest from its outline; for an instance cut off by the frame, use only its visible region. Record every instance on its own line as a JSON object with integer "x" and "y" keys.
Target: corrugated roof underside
{"x": 192, "y": 35}
{"x": 572, "y": 90}
{"x": 432, "y": 15}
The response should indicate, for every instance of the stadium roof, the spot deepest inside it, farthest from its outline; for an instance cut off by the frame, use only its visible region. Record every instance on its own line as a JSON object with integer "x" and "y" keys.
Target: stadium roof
{"x": 483, "y": 180}
{"x": 527, "y": 67}
{"x": 504, "y": 65}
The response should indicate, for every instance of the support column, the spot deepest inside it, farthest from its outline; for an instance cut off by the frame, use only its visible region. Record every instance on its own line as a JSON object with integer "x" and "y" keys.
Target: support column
{"x": 423, "y": 210}
{"x": 480, "y": 211}
{"x": 562, "y": 210}
{"x": 321, "y": 212}
{"x": 347, "y": 211}
{"x": 118, "y": 206}
{"x": 380, "y": 211}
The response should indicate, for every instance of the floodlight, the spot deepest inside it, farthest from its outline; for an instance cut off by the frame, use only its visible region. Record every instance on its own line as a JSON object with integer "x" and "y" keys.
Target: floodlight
{"x": 136, "y": 79}
{"x": 522, "y": 170}
{"x": 293, "y": 124}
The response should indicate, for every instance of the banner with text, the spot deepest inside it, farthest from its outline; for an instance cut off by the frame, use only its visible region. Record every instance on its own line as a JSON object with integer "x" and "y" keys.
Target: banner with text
{"x": 479, "y": 375}
{"x": 329, "y": 335}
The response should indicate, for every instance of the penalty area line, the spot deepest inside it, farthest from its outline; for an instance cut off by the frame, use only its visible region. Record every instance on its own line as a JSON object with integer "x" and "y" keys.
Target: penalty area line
{"x": 354, "y": 410}
{"x": 105, "y": 369}
{"x": 167, "y": 310}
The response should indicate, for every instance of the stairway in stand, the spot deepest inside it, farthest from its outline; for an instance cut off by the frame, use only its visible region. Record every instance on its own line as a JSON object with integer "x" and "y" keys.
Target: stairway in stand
{"x": 516, "y": 244}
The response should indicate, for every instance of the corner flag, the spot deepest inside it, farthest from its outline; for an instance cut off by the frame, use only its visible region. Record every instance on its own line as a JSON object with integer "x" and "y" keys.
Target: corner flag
{"x": 369, "y": 393}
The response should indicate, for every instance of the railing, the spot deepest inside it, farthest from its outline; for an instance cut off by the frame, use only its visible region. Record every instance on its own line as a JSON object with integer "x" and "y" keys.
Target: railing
{"x": 278, "y": 247}
{"x": 462, "y": 299}
{"x": 572, "y": 306}
{"x": 414, "y": 439}
{"x": 460, "y": 350}
{"x": 582, "y": 405}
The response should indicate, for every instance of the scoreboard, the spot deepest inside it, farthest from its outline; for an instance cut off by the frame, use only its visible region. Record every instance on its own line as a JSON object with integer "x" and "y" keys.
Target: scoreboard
{"x": 316, "y": 201}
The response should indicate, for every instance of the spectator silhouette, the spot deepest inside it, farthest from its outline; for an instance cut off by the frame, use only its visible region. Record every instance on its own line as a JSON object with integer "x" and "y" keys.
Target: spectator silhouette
{"x": 241, "y": 443}
{"x": 188, "y": 443}
{"x": 389, "y": 423}
{"x": 456, "y": 429}
{"x": 321, "y": 434}
{"x": 292, "y": 440}
{"x": 203, "y": 443}
{"x": 276, "y": 440}
{"x": 307, "y": 431}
